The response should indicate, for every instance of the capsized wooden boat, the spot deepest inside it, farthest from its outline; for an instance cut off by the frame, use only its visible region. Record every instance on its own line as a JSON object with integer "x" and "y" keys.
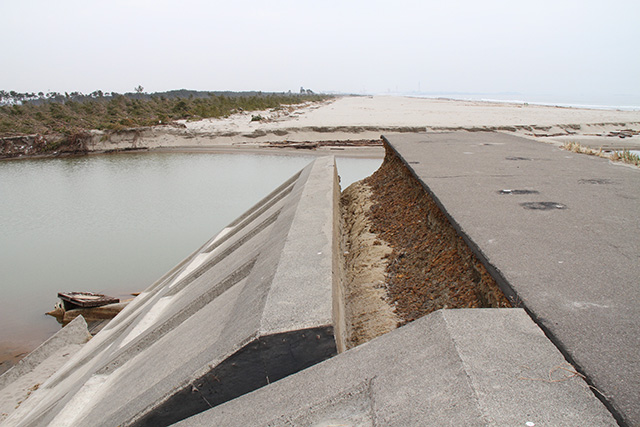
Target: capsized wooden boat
{"x": 73, "y": 300}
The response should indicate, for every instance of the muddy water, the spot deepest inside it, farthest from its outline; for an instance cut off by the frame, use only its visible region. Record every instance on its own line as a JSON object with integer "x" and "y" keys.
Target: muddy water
{"x": 114, "y": 224}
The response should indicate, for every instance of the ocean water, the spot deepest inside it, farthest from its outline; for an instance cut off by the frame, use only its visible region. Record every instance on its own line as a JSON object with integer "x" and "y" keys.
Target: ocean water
{"x": 113, "y": 224}
{"x": 625, "y": 102}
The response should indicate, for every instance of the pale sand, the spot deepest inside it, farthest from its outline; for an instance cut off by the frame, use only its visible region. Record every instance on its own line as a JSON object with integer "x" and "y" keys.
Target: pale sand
{"x": 392, "y": 111}
{"x": 368, "y": 309}
{"x": 367, "y": 117}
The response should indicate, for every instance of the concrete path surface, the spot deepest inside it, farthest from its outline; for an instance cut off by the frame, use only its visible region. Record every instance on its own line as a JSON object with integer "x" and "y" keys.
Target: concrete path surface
{"x": 562, "y": 230}
{"x": 467, "y": 367}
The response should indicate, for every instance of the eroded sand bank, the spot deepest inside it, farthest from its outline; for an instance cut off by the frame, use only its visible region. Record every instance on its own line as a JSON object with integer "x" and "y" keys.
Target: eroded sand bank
{"x": 352, "y": 125}
{"x": 403, "y": 258}
{"x": 364, "y": 118}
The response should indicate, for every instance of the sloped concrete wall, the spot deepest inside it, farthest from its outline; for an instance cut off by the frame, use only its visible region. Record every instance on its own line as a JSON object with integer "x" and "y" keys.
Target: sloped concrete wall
{"x": 252, "y": 305}
{"x": 75, "y": 333}
{"x": 464, "y": 367}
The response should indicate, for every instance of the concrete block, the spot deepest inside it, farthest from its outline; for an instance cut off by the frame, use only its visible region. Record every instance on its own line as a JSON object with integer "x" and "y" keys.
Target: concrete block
{"x": 471, "y": 367}
{"x": 74, "y": 333}
{"x": 19, "y": 382}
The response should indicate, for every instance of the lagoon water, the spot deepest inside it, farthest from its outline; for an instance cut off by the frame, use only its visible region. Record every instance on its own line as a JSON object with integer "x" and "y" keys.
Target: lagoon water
{"x": 114, "y": 224}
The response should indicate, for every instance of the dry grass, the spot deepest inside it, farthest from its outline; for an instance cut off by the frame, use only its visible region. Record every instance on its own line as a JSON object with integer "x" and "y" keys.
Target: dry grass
{"x": 624, "y": 156}
{"x": 577, "y": 148}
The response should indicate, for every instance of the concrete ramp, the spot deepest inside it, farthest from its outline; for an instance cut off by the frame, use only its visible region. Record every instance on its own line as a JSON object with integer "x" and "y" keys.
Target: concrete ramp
{"x": 467, "y": 367}
{"x": 251, "y": 306}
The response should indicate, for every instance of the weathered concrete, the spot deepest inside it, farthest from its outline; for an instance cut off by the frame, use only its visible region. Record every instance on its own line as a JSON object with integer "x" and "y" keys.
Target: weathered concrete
{"x": 470, "y": 367}
{"x": 21, "y": 380}
{"x": 252, "y": 305}
{"x": 74, "y": 333}
{"x": 206, "y": 343}
{"x": 561, "y": 231}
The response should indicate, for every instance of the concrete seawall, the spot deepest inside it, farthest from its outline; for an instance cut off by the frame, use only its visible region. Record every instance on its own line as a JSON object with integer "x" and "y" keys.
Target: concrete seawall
{"x": 469, "y": 367}
{"x": 254, "y": 304}
{"x": 451, "y": 367}
{"x": 250, "y": 330}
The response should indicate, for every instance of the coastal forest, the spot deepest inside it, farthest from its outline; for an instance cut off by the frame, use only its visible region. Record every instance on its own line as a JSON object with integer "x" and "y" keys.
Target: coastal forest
{"x": 71, "y": 114}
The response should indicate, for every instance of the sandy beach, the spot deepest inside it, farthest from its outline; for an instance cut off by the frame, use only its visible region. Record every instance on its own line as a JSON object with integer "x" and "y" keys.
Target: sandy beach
{"x": 365, "y": 118}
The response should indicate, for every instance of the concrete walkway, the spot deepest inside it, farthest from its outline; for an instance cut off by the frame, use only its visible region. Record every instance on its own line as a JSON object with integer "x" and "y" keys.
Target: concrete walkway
{"x": 562, "y": 230}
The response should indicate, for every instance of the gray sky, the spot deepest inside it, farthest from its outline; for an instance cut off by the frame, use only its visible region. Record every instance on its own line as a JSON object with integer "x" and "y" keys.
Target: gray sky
{"x": 549, "y": 47}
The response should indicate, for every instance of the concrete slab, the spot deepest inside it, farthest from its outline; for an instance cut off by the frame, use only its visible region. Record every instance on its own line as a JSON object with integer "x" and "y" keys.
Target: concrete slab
{"x": 252, "y": 305}
{"x": 561, "y": 232}
{"x": 21, "y": 380}
{"x": 471, "y": 367}
{"x": 75, "y": 333}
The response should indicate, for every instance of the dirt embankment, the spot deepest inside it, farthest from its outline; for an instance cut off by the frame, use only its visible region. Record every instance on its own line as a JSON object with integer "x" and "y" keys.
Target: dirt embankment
{"x": 392, "y": 225}
{"x": 368, "y": 310}
{"x": 44, "y": 146}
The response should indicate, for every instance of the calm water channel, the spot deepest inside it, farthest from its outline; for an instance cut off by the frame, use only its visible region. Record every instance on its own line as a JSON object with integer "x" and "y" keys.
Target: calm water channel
{"x": 115, "y": 224}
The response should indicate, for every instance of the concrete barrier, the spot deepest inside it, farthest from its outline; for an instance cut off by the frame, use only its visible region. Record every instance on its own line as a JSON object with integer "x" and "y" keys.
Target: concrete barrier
{"x": 252, "y": 305}
{"x": 465, "y": 367}
{"x": 239, "y": 333}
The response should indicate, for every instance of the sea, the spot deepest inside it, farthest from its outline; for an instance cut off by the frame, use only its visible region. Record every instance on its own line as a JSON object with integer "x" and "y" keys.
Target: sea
{"x": 619, "y": 101}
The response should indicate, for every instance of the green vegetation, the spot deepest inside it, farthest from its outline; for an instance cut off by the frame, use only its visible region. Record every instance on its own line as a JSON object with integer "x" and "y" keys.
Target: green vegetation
{"x": 71, "y": 114}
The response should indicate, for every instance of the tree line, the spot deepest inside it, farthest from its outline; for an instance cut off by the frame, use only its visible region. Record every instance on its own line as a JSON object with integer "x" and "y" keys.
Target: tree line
{"x": 69, "y": 113}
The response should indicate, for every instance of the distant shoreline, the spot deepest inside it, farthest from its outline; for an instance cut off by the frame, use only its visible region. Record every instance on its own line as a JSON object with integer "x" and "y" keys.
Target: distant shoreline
{"x": 523, "y": 99}
{"x": 351, "y": 120}
{"x": 370, "y": 151}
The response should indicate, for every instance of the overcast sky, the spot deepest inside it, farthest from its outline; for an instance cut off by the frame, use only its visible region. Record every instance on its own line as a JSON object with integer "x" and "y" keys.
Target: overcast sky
{"x": 557, "y": 46}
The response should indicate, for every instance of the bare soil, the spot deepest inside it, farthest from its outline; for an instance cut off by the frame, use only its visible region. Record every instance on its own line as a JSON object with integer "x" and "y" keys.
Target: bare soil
{"x": 429, "y": 267}
{"x": 368, "y": 310}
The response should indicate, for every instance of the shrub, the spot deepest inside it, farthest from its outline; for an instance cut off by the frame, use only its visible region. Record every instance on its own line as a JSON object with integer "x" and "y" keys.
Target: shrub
{"x": 55, "y": 113}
